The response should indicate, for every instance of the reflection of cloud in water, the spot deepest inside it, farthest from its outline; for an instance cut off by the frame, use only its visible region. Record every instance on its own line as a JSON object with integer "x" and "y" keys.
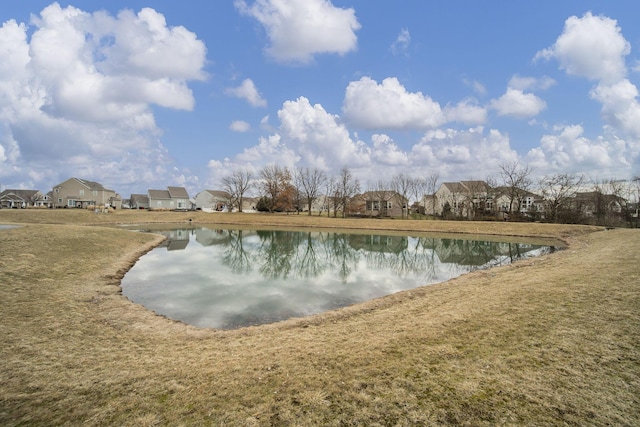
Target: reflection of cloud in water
{"x": 235, "y": 278}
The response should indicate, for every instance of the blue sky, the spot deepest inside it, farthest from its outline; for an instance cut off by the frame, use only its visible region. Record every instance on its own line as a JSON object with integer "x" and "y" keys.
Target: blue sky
{"x": 140, "y": 95}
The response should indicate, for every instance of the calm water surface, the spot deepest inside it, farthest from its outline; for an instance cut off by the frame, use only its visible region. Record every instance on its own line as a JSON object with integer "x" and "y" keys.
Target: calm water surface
{"x": 229, "y": 278}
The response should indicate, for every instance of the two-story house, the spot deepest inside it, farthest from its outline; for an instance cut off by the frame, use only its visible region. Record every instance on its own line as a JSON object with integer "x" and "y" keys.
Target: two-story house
{"x": 173, "y": 198}
{"x": 81, "y": 193}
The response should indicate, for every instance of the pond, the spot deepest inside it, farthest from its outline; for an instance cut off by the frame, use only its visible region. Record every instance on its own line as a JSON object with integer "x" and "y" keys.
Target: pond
{"x": 232, "y": 278}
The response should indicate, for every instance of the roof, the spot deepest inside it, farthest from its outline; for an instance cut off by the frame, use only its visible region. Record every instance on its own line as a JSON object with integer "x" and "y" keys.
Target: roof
{"x": 178, "y": 193}
{"x": 139, "y": 198}
{"x": 159, "y": 194}
{"x": 218, "y": 193}
{"x": 91, "y": 185}
{"x": 19, "y": 194}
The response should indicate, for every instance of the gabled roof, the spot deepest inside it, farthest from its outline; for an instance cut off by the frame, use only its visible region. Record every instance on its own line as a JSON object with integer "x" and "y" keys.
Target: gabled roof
{"x": 219, "y": 193}
{"x": 159, "y": 194}
{"x": 91, "y": 185}
{"x": 178, "y": 193}
{"x": 139, "y": 198}
{"x": 26, "y": 195}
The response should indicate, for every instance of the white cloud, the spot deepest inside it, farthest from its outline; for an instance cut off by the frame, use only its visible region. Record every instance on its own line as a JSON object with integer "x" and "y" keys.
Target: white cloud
{"x": 299, "y": 29}
{"x": 518, "y": 104}
{"x": 569, "y": 150}
{"x": 386, "y": 152}
{"x": 620, "y": 105}
{"x": 248, "y": 91}
{"x": 467, "y": 112}
{"x": 388, "y": 105}
{"x": 591, "y": 47}
{"x": 401, "y": 43}
{"x": 77, "y": 93}
{"x": 463, "y": 154}
{"x": 239, "y": 126}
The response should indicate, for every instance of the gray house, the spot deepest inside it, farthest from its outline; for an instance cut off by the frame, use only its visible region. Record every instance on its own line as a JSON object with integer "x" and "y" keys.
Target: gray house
{"x": 173, "y": 198}
{"x": 212, "y": 200}
{"x": 22, "y": 199}
{"x": 139, "y": 201}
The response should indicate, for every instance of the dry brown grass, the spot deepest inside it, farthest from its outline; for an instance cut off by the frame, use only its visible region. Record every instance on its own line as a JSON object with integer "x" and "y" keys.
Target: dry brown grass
{"x": 549, "y": 341}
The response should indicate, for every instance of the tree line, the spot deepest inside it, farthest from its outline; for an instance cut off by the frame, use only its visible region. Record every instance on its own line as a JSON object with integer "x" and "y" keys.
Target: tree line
{"x": 560, "y": 197}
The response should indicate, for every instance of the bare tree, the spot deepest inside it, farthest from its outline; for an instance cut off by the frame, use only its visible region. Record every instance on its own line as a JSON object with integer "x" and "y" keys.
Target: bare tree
{"x": 346, "y": 186}
{"x": 403, "y": 185}
{"x": 418, "y": 192}
{"x": 517, "y": 182}
{"x": 236, "y": 185}
{"x": 431, "y": 186}
{"x": 276, "y": 186}
{"x": 558, "y": 190}
{"x": 475, "y": 195}
{"x": 309, "y": 183}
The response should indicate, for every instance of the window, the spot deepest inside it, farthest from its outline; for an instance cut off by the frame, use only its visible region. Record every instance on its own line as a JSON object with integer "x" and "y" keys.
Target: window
{"x": 95, "y": 192}
{"x": 71, "y": 203}
{"x": 82, "y": 192}
{"x": 59, "y": 200}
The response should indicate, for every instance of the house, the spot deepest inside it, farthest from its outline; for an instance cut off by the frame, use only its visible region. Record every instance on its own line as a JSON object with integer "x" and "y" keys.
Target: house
{"x": 81, "y": 193}
{"x": 139, "y": 201}
{"x": 525, "y": 202}
{"x": 22, "y": 199}
{"x": 463, "y": 198}
{"x": 380, "y": 203}
{"x": 212, "y": 200}
{"x": 173, "y": 198}
{"x": 595, "y": 204}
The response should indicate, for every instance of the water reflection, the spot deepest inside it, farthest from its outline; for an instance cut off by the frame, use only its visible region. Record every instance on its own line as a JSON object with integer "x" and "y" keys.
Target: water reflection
{"x": 230, "y": 278}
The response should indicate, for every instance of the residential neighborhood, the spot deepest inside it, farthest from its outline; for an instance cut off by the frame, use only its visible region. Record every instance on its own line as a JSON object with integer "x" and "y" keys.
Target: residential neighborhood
{"x": 462, "y": 200}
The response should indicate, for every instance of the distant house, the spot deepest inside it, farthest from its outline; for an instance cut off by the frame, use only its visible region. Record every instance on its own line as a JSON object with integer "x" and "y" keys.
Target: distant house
{"x": 81, "y": 193}
{"x": 139, "y": 201}
{"x": 22, "y": 199}
{"x": 379, "y": 203}
{"x": 463, "y": 198}
{"x": 212, "y": 200}
{"x": 173, "y": 198}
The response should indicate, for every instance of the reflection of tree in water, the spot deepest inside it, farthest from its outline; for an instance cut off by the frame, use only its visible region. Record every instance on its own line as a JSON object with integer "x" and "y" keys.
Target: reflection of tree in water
{"x": 276, "y": 250}
{"x": 235, "y": 256}
{"x": 308, "y": 263}
{"x": 285, "y": 254}
{"x": 340, "y": 255}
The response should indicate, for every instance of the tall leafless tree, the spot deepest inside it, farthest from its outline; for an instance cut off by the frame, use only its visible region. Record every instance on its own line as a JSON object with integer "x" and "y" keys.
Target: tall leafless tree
{"x": 276, "y": 186}
{"x": 558, "y": 190}
{"x": 403, "y": 185}
{"x": 310, "y": 183}
{"x": 517, "y": 182}
{"x": 237, "y": 184}
{"x": 431, "y": 186}
{"x": 418, "y": 191}
{"x": 346, "y": 186}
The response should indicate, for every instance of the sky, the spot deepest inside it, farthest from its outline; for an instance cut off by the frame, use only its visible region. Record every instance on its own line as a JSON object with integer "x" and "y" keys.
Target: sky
{"x": 138, "y": 95}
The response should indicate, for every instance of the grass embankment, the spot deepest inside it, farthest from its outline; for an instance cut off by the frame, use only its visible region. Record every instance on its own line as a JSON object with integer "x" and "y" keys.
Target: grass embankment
{"x": 548, "y": 341}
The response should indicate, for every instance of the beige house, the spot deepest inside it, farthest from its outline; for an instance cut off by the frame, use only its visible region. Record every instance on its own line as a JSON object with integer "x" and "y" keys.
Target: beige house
{"x": 463, "y": 198}
{"x": 379, "y": 203}
{"x": 80, "y": 193}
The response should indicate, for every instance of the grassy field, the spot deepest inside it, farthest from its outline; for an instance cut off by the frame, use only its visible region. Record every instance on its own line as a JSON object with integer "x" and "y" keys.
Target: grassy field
{"x": 549, "y": 341}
